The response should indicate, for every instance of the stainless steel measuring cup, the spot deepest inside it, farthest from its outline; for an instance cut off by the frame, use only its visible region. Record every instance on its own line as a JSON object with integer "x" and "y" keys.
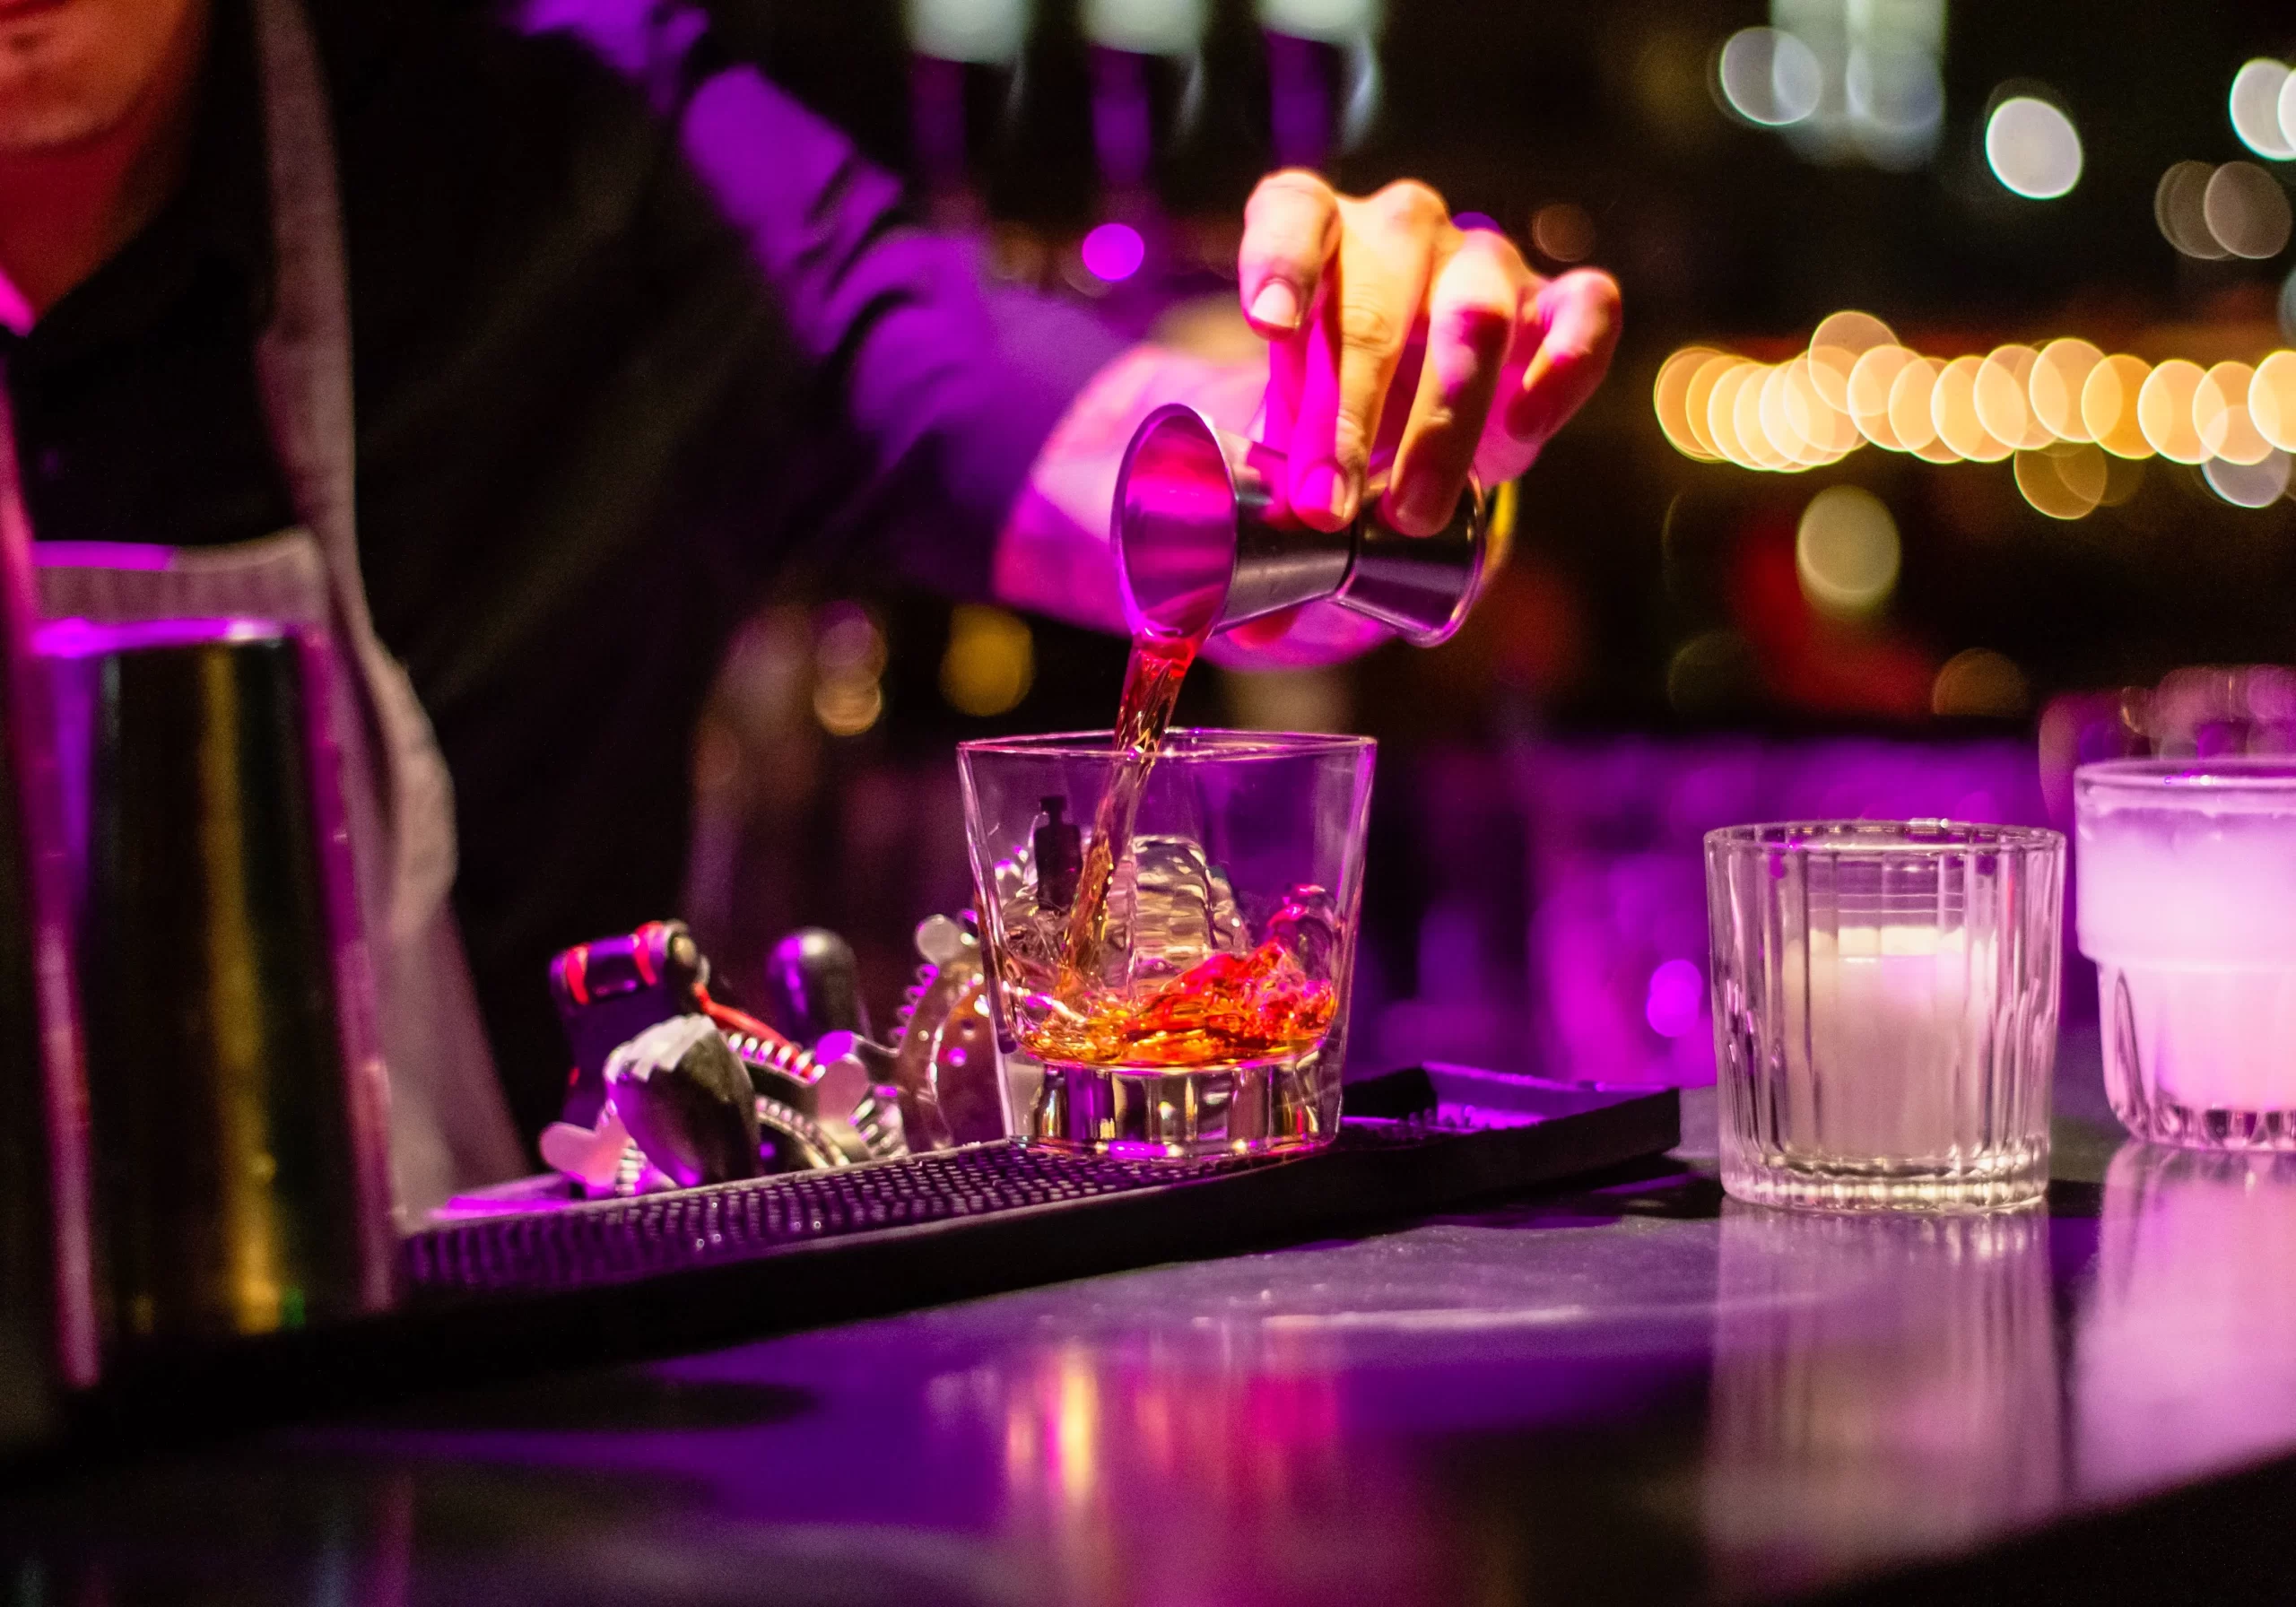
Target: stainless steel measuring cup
{"x": 1203, "y": 542}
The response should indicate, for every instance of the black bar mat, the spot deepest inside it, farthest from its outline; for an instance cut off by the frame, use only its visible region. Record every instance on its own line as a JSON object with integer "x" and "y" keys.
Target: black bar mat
{"x": 1452, "y": 1136}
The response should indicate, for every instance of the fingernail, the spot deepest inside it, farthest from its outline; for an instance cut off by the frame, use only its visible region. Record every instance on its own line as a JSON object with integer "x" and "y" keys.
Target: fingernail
{"x": 1324, "y": 486}
{"x": 1277, "y": 306}
{"x": 1413, "y": 508}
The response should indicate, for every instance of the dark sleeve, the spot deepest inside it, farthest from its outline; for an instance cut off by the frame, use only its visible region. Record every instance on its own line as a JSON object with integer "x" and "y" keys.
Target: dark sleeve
{"x": 950, "y": 389}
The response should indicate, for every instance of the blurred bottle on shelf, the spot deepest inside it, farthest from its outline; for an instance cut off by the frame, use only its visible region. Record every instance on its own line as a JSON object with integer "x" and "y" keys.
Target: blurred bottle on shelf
{"x": 1324, "y": 82}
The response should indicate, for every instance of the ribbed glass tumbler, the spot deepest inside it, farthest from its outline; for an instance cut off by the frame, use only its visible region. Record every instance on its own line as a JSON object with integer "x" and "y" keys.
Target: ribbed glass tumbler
{"x": 1885, "y": 998}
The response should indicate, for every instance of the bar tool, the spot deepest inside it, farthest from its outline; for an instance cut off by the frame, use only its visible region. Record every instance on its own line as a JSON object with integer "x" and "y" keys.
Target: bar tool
{"x": 811, "y": 1112}
{"x": 814, "y": 986}
{"x": 944, "y": 1055}
{"x": 687, "y": 1101}
{"x": 1204, "y": 543}
{"x": 239, "y": 1109}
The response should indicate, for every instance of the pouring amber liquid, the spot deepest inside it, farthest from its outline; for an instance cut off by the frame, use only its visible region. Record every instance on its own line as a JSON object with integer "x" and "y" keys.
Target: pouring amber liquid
{"x": 1227, "y": 1009}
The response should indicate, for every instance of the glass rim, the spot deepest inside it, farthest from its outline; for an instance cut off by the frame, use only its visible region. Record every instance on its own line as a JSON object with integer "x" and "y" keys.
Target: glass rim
{"x": 2210, "y": 777}
{"x": 1198, "y": 742}
{"x": 1883, "y": 836}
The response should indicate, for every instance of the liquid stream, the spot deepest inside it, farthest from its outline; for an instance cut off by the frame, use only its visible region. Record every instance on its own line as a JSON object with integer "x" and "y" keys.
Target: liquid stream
{"x": 1225, "y": 1010}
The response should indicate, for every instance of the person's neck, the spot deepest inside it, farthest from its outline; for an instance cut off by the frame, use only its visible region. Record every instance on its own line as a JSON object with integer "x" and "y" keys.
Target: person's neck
{"x": 64, "y": 213}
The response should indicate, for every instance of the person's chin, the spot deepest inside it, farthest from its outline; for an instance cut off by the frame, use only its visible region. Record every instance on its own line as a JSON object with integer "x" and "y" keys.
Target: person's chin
{"x": 54, "y": 90}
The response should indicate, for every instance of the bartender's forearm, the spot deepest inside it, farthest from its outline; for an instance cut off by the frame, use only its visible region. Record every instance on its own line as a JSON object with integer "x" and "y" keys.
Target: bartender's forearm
{"x": 1053, "y": 556}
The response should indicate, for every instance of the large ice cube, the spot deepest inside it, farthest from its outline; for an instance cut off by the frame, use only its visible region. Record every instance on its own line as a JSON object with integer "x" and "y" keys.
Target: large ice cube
{"x": 1169, "y": 908}
{"x": 1031, "y": 937}
{"x": 1305, "y": 926}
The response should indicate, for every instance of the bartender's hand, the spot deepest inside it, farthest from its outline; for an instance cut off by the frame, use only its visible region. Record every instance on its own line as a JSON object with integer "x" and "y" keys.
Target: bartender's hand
{"x": 1392, "y": 332}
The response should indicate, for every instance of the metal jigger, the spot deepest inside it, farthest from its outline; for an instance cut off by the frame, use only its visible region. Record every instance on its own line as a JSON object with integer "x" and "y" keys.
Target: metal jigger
{"x": 1203, "y": 542}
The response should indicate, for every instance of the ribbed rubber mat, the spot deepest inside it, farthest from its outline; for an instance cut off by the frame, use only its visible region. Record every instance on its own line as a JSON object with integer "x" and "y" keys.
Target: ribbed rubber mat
{"x": 614, "y": 1241}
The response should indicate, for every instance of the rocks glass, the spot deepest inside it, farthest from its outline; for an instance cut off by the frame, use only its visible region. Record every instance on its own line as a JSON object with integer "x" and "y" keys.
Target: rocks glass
{"x": 2187, "y": 904}
{"x": 1198, "y": 1004}
{"x": 1886, "y": 999}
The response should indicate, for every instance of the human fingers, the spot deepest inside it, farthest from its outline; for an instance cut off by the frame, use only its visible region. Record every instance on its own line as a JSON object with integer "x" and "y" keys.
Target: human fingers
{"x": 1576, "y": 319}
{"x": 1474, "y": 311}
{"x": 1291, "y": 230}
{"x": 1390, "y": 246}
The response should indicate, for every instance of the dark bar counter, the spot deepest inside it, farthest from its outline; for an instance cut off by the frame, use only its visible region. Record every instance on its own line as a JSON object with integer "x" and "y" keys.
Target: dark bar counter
{"x": 1628, "y": 1391}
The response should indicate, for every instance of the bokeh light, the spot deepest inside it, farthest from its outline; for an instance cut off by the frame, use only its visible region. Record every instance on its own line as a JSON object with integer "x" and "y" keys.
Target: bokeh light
{"x": 1563, "y": 231}
{"x": 1113, "y": 252}
{"x": 1699, "y": 394}
{"x": 1845, "y": 551}
{"x": 1815, "y": 418}
{"x": 2064, "y": 480}
{"x": 848, "y": 669}
{"x": 2003, "y": 405}
{"x": 2246, "y": 211}
{"x": 1677, "y": 998}
{"x": 2220, "y": 415}
{"x": 1871, "y": 378}
{"x": 1979, "y": 683}
{"x": 1952, "y": 406}
{"x": 1912, "y": 415}
{"x": 2254, "y": 106}
{"x": 1722, "y": 412}
{"x": 1798, "y": 421}
{"x": 2272, "y": 400}
{"x": 1752, "y": 433}
{"x": 990, "y": 662}
{"x": 2078, "y": 423}
{"x": 2181, "y": 207}
{"x": 2109, "y": 405}
{"x": 1769, "y": 77}
{"x": 2248, "y": 485}
{"x": 2032, "y": 147}
{"x": 1670, "y": 396}
{"x": 2164, "y": 411}
{"x": 1775, "y": 428}
{"x": 1835, "y": 346}
{"x": 2054, "y": 388}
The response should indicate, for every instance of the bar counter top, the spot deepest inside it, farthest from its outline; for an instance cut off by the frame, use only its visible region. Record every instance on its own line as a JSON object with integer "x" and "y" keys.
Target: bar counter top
{"x": 1628, "y": 1390}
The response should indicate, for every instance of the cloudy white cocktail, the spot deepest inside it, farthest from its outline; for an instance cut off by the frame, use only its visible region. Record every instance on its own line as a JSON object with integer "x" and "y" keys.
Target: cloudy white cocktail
{"x": 2187, "y": 900}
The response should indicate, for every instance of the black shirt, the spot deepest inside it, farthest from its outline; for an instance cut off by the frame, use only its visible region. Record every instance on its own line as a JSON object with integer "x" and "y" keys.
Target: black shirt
{"x": 632, "y": 334}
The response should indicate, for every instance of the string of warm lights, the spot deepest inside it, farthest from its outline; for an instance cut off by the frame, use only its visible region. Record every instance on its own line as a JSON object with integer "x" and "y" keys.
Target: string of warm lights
{"x": 2064, "y": 411}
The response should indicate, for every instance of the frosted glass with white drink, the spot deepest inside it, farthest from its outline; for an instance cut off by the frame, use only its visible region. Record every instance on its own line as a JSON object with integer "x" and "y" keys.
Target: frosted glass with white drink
{"x": 2187, "y": 901}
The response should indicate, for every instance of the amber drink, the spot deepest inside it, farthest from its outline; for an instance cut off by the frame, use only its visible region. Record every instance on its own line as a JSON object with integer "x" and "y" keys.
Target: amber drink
{"x": 1171, "y": 931}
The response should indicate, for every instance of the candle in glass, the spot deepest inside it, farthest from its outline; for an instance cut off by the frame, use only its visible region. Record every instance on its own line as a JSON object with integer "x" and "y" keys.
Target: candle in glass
{"x": 1884, "y": 1011}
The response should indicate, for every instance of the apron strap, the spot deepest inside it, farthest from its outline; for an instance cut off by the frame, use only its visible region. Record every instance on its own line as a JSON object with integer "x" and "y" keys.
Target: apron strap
{"x": 451, "y": 1127}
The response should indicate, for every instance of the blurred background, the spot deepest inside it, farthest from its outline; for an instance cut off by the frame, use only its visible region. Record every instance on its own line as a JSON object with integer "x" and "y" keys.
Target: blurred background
{"x": 1947, "y": 447}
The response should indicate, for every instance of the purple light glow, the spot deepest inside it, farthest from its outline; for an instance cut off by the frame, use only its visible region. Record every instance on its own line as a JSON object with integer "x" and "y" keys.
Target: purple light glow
{"x": 1113, "y": 252}
{"x": 1677, "y": 989}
